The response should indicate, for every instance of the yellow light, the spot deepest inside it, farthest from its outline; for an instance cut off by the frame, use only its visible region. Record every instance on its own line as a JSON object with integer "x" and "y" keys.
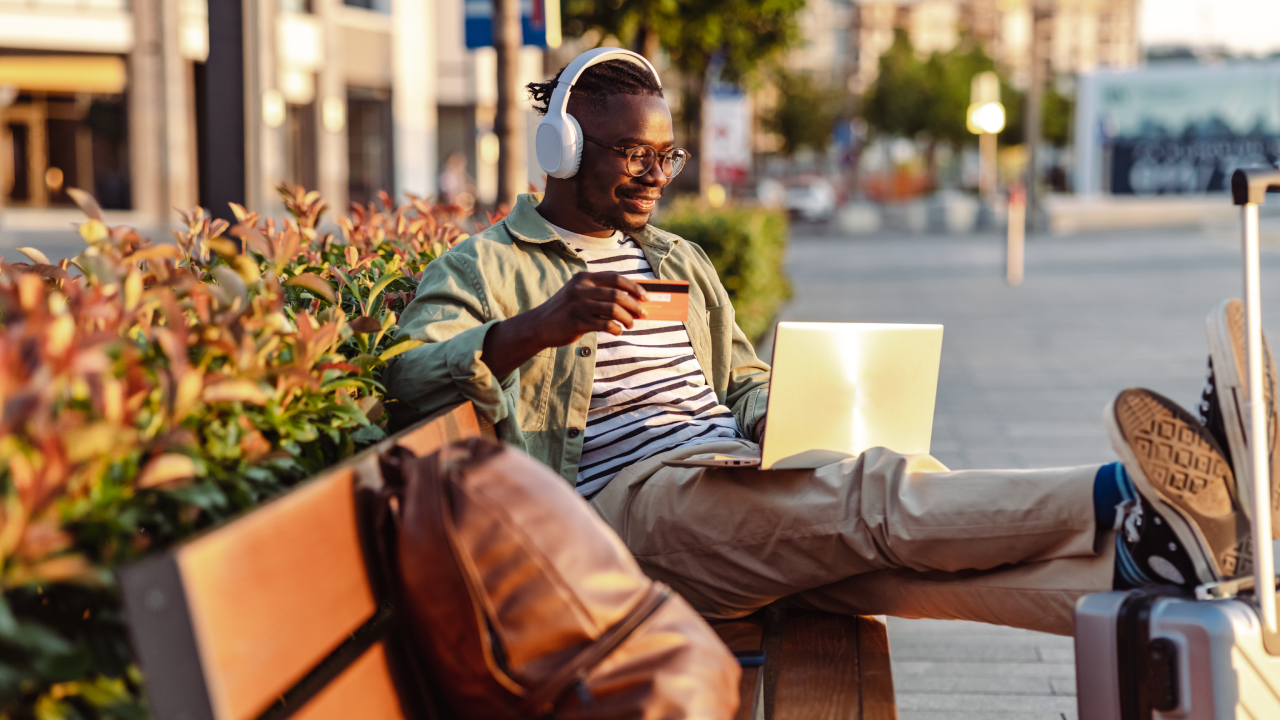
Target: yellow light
{"x": 53, "y": 179}
{"x": 64, "y": 73}
{"x": 716, "y": 195}
{"x": 273, "y": 110}
{"x": 551, "y": 8}
{"x": 490, "y": 148}
{"x": 334, "y": 114}
{"x": 985, "y": 118}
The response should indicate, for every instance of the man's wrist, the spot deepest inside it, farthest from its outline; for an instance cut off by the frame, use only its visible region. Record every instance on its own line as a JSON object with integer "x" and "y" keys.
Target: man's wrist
{"x": 510, "y": 343}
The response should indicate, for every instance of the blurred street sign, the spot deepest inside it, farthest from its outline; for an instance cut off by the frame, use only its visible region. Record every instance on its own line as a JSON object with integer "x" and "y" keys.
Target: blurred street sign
{"x": 728, "y": 135}
{"x": 539, "y": 22}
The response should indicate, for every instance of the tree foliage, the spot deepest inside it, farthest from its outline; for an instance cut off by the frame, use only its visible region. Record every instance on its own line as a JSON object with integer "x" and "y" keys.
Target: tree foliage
{"x": 929, "y": 98}
{"x": 806, "y": 112}
{"x": 743, "y": 33}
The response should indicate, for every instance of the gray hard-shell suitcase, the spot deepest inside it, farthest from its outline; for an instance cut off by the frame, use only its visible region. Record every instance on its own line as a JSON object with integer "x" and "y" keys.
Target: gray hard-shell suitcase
{"x": 1153, "y": 653}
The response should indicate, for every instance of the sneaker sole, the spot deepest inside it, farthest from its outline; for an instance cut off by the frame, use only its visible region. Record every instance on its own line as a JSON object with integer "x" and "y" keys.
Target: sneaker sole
{"x": 1179, "y": 469}
{"x": 1226, "y": 332}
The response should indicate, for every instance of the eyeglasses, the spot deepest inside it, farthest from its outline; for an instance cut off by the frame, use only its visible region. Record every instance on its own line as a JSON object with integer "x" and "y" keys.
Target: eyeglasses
{"x": 640, "y": 159}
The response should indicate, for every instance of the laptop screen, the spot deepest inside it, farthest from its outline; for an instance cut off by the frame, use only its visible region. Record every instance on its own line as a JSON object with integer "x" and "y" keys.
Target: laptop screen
{"x": 841, "y": 388}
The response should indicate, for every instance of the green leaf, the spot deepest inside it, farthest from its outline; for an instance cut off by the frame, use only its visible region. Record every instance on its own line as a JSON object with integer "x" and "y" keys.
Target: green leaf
{"x": 346, "y": 279}
{"x": 381, "y": 285}
{"x": 401, "y": 347}
{"x": 368, "y": 434}
{"x": 365, "y": 361}
{"x": 315, "y": 284}
{"x": 350, "y": 383}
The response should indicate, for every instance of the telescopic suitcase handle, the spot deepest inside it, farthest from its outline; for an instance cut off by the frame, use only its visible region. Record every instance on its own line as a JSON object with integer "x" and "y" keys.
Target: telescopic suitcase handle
{"x": 1248, "y": 190}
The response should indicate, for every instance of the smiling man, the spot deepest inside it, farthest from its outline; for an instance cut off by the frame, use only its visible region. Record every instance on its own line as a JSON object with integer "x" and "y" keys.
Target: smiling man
{"x": 537, "y": 321}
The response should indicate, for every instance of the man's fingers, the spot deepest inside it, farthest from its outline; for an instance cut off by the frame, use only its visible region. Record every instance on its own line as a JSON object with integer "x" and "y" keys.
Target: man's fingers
{"x": 611, "y": 311}
{"x": 616, "y": 296}
{"x": 608, "y": 325}
{"x": 621, "y": 282}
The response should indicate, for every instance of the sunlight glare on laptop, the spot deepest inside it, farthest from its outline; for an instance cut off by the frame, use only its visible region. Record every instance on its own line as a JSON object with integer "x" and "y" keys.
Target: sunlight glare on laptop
{"x": 841, "y": 388}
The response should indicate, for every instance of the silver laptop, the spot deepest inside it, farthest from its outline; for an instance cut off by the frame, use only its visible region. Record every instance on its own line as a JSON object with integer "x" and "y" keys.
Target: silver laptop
{"x": 841, "y": 388}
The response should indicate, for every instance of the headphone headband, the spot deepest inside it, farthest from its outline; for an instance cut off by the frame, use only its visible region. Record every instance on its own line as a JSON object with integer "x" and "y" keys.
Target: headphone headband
{"x": 558, "y": 142}
{"x": 569, "y": 76}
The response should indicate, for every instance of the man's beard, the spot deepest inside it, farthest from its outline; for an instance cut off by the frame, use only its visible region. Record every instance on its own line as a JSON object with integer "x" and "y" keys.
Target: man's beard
{"x": 612, "y": 217}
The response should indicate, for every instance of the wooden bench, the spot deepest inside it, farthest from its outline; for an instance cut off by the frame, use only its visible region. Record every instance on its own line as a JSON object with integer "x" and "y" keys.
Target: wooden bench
{"x": 274, "y": 615}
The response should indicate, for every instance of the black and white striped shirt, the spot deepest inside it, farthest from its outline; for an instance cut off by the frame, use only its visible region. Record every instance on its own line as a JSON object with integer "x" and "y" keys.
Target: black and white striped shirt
{"x": 648, "y": 394}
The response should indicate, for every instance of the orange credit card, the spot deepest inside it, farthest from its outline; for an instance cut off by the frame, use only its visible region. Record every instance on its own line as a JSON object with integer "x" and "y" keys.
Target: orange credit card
{"x": 668, "y": 299}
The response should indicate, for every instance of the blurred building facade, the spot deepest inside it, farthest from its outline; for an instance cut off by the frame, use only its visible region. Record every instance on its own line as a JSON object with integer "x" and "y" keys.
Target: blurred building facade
{"x": 1086, "y": 34}
{"x": 345, "y": 96}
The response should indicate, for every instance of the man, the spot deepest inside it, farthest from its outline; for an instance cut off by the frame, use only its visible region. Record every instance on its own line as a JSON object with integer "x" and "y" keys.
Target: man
{"x": 537, "y": 322}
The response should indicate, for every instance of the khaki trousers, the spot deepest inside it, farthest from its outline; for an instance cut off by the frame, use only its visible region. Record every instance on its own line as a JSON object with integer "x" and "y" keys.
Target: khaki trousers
{"x": 882, "y": 533}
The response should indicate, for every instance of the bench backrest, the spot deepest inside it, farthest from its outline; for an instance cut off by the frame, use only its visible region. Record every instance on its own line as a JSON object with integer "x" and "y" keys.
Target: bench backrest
{"x": 273, "y": 615}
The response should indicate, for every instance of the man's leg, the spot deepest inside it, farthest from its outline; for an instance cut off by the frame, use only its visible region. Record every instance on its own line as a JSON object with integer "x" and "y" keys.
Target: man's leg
{"x": 1034, "y": 596}
{"x": 734, "y": 540}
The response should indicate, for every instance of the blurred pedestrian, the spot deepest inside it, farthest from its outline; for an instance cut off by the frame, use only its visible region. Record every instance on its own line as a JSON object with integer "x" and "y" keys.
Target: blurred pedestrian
{"x": 457, "y": 187}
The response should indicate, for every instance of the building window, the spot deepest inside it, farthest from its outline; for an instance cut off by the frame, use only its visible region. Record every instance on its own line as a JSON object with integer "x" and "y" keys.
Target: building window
{"x": 300, "y": 145}
{"x": 369, "y": 148}
{"x": 382, "y": 6}
{"x": 51, "y": 141}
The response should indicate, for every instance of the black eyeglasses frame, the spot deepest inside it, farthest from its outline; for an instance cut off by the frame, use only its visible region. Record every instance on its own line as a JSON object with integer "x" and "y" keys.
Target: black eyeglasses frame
{"x": 659, "y": 158}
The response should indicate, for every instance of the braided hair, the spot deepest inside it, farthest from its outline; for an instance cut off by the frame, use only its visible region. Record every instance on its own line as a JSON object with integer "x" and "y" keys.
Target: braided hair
{"x": 596, "y": 84}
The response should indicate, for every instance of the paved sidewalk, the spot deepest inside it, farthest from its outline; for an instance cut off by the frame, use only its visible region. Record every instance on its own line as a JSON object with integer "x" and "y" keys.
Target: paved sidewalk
{"x": 1025, "y": 375}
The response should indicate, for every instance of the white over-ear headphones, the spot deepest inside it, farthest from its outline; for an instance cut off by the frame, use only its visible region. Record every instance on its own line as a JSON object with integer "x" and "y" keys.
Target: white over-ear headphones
{"x": 559, "y": 139}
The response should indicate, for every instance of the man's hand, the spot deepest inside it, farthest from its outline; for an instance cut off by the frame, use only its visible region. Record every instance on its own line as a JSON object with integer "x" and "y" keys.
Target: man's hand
{"x": 589, "y": 302}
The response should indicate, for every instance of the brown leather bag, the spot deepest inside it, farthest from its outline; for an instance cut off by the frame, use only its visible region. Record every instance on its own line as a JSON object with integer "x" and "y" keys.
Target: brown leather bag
{"x": 521, "y": 603}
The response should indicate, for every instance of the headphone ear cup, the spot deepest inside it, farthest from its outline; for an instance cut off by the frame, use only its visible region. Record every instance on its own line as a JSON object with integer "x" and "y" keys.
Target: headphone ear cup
{"x": 548, "y": 145}
{"x": 578, "y": 142}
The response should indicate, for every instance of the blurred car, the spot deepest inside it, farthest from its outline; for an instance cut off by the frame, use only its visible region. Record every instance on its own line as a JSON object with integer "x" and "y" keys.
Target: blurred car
{"x": 811, "y": 198}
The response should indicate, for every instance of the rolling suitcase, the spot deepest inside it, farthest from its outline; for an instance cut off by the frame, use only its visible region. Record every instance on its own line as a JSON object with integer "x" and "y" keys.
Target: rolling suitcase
{"x": 1152, "y": 653}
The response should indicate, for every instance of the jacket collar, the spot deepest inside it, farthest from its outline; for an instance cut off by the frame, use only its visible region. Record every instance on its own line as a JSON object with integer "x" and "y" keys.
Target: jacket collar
{"x": 524, "y": 223}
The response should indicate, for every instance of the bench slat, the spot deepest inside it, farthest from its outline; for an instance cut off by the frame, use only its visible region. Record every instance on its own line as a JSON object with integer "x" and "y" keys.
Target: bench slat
{"x": 365, "y": 690}
{"x": 818, "y": 676}
{"x": 264, "y": 599}
{"x": 874, "y": 671}
{"x": 745, "y": 634}
{"x": 275, "y": 592}
{"x": 439, "y": 430}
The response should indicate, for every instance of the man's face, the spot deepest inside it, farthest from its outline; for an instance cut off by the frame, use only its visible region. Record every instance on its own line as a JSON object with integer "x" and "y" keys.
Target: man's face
{"x": 606, "y": 192}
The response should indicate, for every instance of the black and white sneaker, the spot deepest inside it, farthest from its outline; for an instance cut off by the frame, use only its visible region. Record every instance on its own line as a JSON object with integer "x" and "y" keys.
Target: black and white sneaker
{"x": 1222, "y": 404}
{"x": 1187, "y": 522}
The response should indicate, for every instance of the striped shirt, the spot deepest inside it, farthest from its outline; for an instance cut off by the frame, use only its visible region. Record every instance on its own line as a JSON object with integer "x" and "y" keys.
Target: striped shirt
{"x": 648, "y": 394}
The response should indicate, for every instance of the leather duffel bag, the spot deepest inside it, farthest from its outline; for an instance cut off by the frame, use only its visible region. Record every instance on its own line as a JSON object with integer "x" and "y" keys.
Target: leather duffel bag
{"x": 518, "y": 601}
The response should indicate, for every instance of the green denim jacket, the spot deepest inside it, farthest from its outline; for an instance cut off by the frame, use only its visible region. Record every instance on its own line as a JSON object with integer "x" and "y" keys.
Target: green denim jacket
{"x": 518, "y": 264}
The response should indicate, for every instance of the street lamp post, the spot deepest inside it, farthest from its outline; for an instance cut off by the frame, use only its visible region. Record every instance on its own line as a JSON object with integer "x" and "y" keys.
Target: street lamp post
{"x": 985, "y": 119}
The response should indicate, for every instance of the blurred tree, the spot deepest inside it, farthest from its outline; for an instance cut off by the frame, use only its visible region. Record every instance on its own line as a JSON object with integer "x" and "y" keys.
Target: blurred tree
{"x": 897, "y": 104}
{"x": 1057, "y": 114}
{"x": 927, "y": 100}
{"x": 744, "y": 33}
{"x": 948, "y": 77}
{"x": 806, "y": 112}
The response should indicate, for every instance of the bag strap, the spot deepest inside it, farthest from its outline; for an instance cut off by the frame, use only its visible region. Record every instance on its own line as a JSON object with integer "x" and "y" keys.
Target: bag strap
{"x": 543, "y": 697}
{"x": 380, "y": 500}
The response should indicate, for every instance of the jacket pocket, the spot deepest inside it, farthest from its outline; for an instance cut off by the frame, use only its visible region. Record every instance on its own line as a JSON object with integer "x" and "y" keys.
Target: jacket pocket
{"x": 535, "y": 389}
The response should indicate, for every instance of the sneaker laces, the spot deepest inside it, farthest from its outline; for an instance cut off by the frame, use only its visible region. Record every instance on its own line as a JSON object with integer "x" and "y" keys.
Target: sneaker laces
{"x": 1207, "y": 395}
{"x": 1129, "y": 520}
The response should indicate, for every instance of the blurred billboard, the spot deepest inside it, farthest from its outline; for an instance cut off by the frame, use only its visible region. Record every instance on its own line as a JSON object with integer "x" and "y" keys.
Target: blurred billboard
{"x": 1174, "y": 129}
